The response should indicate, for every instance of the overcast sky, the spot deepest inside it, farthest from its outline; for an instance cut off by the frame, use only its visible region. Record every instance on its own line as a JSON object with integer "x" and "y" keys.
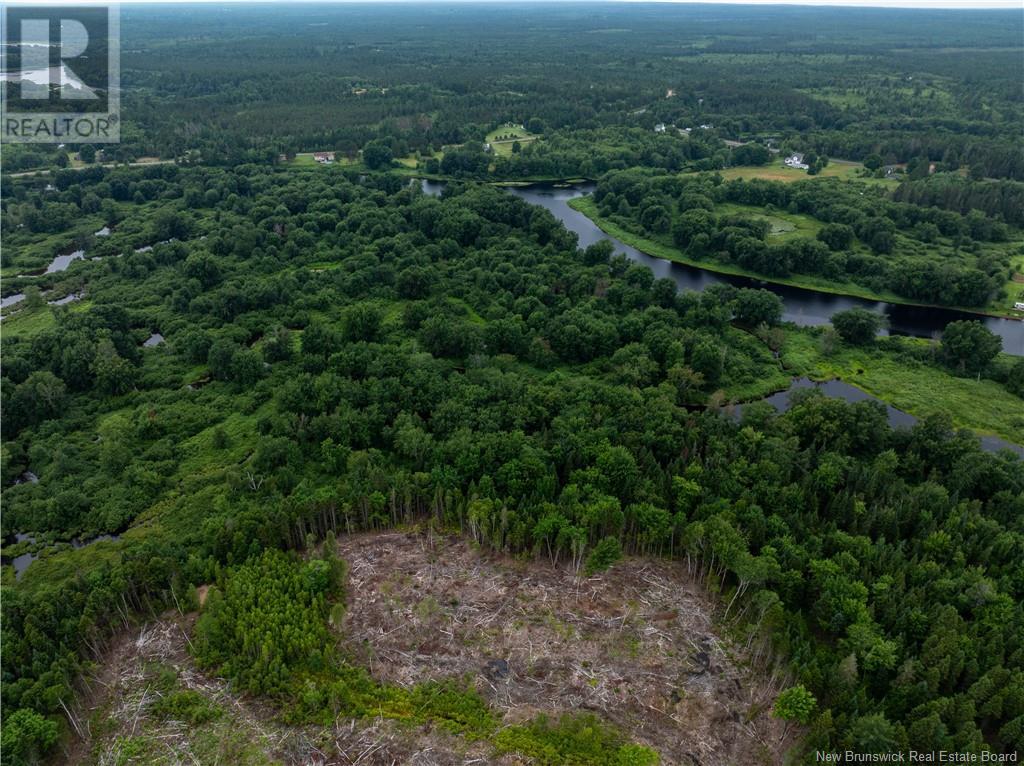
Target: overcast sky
{"x": 1005, "y": 4}
{"x": 880, "y": 3}
{"x": 885, "y": 3}
{"x": 864, "y": 3}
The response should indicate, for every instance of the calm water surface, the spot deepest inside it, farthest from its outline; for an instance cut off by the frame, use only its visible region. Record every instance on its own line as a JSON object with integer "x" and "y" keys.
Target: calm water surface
{"x": 802, "y": 307}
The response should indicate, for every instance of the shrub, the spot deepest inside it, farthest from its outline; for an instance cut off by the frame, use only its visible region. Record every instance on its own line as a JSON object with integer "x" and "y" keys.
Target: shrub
{"x": 576, "y": 740}
{"x": 186, "y": 705}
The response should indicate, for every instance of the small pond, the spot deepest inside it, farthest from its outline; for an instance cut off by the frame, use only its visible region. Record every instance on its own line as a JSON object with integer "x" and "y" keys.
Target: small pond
{"x": 61, "y": 262}
{"x": 21, "y": 563}
{"x": 10, "y": 300}
{"x": 897, "y": 418}
{"x": 69, "y": 298}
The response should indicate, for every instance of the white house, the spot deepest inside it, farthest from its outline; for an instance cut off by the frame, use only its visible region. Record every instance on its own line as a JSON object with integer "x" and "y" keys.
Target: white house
{"x": 795, "y": 161}
{"x": 659, "y": 128}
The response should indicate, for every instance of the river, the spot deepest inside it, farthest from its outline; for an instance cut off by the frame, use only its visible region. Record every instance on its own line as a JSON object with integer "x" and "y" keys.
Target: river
{"x": 800, "y": 306}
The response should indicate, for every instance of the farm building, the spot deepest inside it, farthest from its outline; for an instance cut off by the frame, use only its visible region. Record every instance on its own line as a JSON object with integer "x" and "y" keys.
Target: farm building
{"x": 323, "y": 157}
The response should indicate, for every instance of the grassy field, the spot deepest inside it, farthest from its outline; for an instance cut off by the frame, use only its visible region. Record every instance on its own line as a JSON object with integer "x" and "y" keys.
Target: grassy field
{"x": 777, "y": 171}
{"x": 413, "y": 161}
{"x": 921, "y": 389}
{"x": 24, "y": 322}
{"x": 1014, "y": 288}
{"x": 305, "y": 160}
{"x": 934, "y": 95}
{"x": 840, "y": 97}
{"x": 588, "y": 207}
{"x": 784, "y": 225}
{"x": 501, "y": 139}
{"x": 881, "y": 370}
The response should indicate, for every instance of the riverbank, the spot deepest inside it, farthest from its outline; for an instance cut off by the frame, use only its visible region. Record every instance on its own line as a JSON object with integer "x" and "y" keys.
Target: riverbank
{"x": 586, "y": 206}
{"x": 915, "y": 387}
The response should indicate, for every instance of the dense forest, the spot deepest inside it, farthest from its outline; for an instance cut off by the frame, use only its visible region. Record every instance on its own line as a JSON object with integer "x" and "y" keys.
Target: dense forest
{"x": 927, "y": 254}
{"x": 344, "y": 354}
{"x": 942, "y": 89}
{"x": 217, "y": 365}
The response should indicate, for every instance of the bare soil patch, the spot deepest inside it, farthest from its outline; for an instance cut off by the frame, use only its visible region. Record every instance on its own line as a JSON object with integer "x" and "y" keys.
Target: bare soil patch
{"x": 636, "y": 644}
{"x": 119, "y": 724}
{"x": 140, "y": 668}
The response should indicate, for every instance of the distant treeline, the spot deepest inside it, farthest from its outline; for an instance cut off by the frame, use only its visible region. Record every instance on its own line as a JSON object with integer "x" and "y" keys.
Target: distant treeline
{"x": 360, "y": 355}
{"x": 923, "y": 253}
{"x": 999, "y": 199}
{"x": 273, "y": 83}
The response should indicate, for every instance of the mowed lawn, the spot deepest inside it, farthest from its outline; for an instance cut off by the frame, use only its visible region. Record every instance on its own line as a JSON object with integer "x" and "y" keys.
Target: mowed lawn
{"x": 502, "y": 139}
{"x": 305, "y": 159}
{"x": 777, "y": 171}
{"x": 1014, "y": 288}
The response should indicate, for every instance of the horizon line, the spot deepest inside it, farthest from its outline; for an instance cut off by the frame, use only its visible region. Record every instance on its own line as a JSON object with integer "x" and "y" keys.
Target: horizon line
{"x": 922, "y": 5}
